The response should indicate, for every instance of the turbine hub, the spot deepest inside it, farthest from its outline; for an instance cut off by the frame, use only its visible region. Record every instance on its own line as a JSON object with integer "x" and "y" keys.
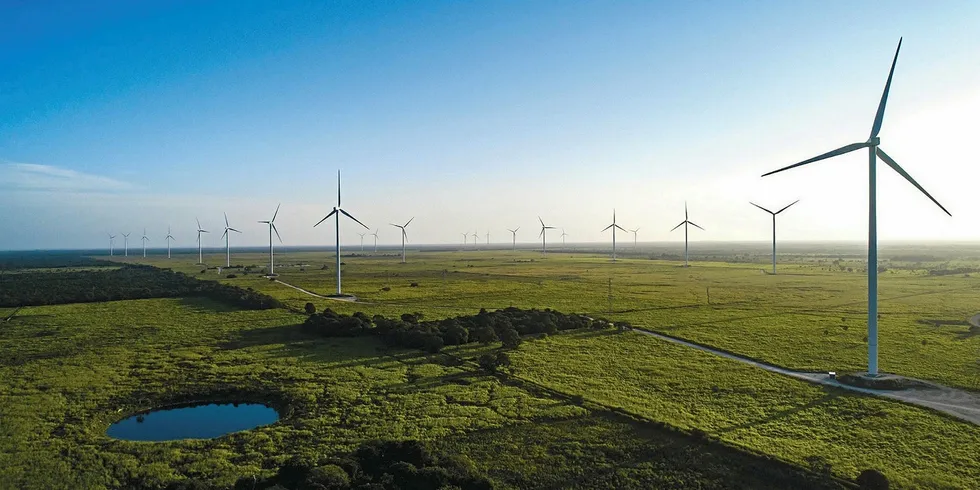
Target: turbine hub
{"x": 874, "y": 141}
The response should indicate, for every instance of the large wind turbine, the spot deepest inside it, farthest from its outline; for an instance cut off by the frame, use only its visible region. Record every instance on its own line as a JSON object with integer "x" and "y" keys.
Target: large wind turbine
{"x": 514, "y": 233}
{"x": 873, "y": 151}
{"x": 337, "y": 211}
{"x": 144, "y": 240}
{"x": 614, "y": 227}
{"x": 404, "y": 235}
{"x": 685, "y": 223}
{"x": 272, "y": 228}
{"x": 543, "y": 235}
{"x": 200, "y": 255}
{"x": 774, "y": 229}
{"x": 111, "y": 238}
{"x": 375, "y": 235}
{"x": 227, "y": 237}
{"x": 125, "y": 244}
{"x": 168, "y": 239}
{"x": 633, "y": 231}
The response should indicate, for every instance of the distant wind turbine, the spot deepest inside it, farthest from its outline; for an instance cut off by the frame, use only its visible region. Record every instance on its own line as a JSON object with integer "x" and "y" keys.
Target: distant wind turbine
{"x": 125, "y": 244}
{"x": 614, "y": 227}
{"x": 111, "y": 238}
{"x": 375, "y": 235}
{"x": 684, "y": 224}
{"x": 563, "y": 235}
{"x": 488, "y": 238}
{"x": 543, "y": 235}
{"x": 362, "y": 240}
{"x": 200, "y": 255}
{"x": 514, "y": 236}
{"x": 466, "y": 237}
{"x": 404, "y": 235}
{"x": 633, "y": 231}
{"x": 168, "y": 239}
{"x": 873, "y": 151}
{"x": 337, "y": 211}
{"x": 227, "y": 237}
{"x": 144, "y": 240}
{"x": 774, "y": 229}
{"x": 476, "y": 240}
{"x": 272, "y": 228}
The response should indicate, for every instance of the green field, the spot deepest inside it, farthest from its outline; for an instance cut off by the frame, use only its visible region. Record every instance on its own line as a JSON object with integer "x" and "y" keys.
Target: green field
{"x": 597, "y": 400}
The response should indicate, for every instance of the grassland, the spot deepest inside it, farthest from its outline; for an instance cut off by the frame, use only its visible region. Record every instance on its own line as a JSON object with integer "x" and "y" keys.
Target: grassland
{"x": 76, "y": 366}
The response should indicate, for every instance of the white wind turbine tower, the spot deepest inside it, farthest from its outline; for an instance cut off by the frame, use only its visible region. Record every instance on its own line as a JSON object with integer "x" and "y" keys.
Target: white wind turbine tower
{"x": 111, "y": 238}
{"x": 633, "y": 231}
{"x": 362, "y": 240}
{"x": 125, "y": 244}
{"x": 144, "y": 240}
{"x": 514, "y": 236}
{"x": 543, "y": 235}
{"x": 337, "y": 211}
{"x": 488, "y": 238}
{"x": 774, "y": 229}
{"x": 168, "y": 239}
{"x": 404, "y": 235}
{"x": 614, "y": 227}
{"x": 375, "y": 235}
{"x": 200, "y": 255}
{"x": 272, "y": 228}
{"x": 684, "y": 224}
{"x": 227, "y": 237}
{"x": 873, "y": 151}
{"x": 476, "y": 240}
{"x": 563, "y": 235}
{"x": 466, "y": 237}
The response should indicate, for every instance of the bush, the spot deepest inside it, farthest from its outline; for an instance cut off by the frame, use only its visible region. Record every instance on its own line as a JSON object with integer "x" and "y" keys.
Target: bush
{"x": 310, "y": 308}
{"x": 328, "y": 477}
{"x": 492, "y": 362}
{"x": 872, "y": 480}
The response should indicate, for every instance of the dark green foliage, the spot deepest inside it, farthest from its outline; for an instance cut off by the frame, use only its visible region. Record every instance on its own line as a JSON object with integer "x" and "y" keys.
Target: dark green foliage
{"x": 491, "y": 362}
{"x": 507, "y": 325}
{"x": 872, "y": 480}
{"x": 310, "y": 308}
{"x": 127, "y": 282}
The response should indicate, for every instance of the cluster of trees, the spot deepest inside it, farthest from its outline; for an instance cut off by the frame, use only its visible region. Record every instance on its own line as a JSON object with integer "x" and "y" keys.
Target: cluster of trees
{"x": 506, "y": 325}
{"x": 30, "y": 288}
{"x": 377, "y": 465}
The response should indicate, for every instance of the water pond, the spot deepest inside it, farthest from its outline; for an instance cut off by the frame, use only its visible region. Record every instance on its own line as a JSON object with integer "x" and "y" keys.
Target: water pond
{"x": 193, "y": 422}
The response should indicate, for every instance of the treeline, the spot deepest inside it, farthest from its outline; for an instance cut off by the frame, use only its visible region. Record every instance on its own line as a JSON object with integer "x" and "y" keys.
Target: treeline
{"x": 506, "y": 325}
{"x": 30, "y": 288}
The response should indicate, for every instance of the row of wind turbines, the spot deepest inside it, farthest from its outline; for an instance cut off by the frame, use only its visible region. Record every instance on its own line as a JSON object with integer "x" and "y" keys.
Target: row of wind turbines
{"x": 874, "y": 152}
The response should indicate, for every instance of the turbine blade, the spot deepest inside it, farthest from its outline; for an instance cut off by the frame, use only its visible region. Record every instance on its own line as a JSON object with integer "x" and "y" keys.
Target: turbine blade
{"x": 276, "y": 213}
{"x": 277, "y": 231}
{"x": 234, "y": 230}
{"x": 353, "y": 218}
{"x": 840, "y": 151}
{"x": 696, "y": 226}
{"x": 542, "y": 232}
{"x": 604, "y": 229}
{"x": 884, "y": 95}
{"x": 787, "y": 207}
{"x": 762, "y": 208}
{"x": 338, "y": 188}
{"x": 891, "y": 163}
{"x": 409, "y": 221}
{"x": 198, "y": 223}
{"x": 223, "y": 234}
{"x": 518, "y": 228}
{"x": 226, "y": 220}
{"x": 678, "y": 226}
{"x": 620, "y": 228}
{"x": 325, "y": 217}
{"x": 541, "y": 220}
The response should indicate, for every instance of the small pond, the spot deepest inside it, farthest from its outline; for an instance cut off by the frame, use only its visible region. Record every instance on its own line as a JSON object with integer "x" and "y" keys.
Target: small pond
{"x": 193, "y": 422}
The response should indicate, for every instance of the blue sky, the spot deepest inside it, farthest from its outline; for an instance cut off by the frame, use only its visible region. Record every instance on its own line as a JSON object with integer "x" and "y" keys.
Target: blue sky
{"x": 479, "y": 116}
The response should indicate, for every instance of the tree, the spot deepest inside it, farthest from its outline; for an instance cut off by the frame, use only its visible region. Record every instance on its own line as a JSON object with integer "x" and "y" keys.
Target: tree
{"x": 494, "y": 361}
{"x": 327, "y": 477}
{"x": 872, "y": 480}
{"x": 310, "y": 308}
{"x": 510, "y": 338}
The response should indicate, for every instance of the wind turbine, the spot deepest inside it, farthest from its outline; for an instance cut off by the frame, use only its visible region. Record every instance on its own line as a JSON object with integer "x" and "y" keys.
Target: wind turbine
{"x": 774, "y": 229}
{"x": 543, "y": 235}
{"x": 514, "y": 233}
{"x": 466, "y": 236}
{"x": 873, "y": 151}
{"x": 227, "y": 237}
{"x": 404, "y": 235}
{"x": 337, "y": 211}
{"x": 614, "y": 227}
{"x": 685, "y": 223}
{"x": 111, "y": 238}
{"x": 633, "y": 231}
{"x": 144, "y": 239}
{"x": 375, "y": 235}
{"x": 168, "y": 239}
{"x": 488, "y": 238}
{"x": 563, "y": 235}
{"x": 476, "y": 238}
{"x": 200, "y": 256}
{"x": 125, "y": 244}
{"x": 362, "y": 240}
{"x": 272, "y": 228}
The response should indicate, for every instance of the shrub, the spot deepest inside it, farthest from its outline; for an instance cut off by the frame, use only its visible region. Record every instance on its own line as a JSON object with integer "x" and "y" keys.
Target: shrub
{"x": 327, "y": 477}
{"x": 492, "y": 362}
{"x": 872, "y": 480}
{"x": 310, "y": 308}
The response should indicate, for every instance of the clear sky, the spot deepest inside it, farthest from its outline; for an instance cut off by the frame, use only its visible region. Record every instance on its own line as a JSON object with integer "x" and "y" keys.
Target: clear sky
{"x": 477, "y": 116}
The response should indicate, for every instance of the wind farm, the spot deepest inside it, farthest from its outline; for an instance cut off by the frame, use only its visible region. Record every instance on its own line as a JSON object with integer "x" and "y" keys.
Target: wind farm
{"x": 837, "y": 350}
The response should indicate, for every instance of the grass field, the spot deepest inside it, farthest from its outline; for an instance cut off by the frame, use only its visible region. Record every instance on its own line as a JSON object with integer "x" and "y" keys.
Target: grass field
{"x": 75, "y": 368}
